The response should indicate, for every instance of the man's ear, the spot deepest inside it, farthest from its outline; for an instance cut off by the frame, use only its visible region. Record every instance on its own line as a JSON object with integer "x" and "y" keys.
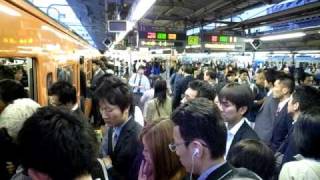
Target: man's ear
{"x": 243, "y": 110}
{"x": 37, "y": 175}
{"x": 296, "y": 106}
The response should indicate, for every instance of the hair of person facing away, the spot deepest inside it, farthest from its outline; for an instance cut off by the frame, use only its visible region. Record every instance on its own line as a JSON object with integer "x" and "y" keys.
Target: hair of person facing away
{"x": 211, "y": 73}
{"x": 65, "y": 92}
{"x": 115, "y": 92}
{"x": 306, "y": 96}
{"x": 11, "y": 90}
{"x": 200, "y": 118}
{"x": 306, "y": 133}
{"x": 271, "y": 75}
{"x": 203, "y": 89}
{"x": 6, "y": 72}
{"x": 160, "y": 91}
{"x": 57, "y": 143}
{"x": 157, "y": 135}
{"x": 238, "y": 94}
{"x": 255, "y": 156}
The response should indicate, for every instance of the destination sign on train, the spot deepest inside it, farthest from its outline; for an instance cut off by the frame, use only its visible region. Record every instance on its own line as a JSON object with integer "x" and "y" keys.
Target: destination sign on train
{"x": 162, "y": 36}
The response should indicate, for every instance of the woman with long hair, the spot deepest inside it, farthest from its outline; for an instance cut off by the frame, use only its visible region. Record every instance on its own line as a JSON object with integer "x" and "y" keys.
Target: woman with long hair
{"x": 160, "y": 106}
{"x": 159, "y": 162}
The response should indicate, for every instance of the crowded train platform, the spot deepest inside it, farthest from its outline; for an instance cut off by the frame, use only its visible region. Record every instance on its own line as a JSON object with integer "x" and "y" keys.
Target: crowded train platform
{"x": 159, "y": 90}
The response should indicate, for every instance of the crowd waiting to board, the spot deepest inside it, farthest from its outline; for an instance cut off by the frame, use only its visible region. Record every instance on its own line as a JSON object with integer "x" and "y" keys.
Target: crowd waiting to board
{"x": 208, "y": 122}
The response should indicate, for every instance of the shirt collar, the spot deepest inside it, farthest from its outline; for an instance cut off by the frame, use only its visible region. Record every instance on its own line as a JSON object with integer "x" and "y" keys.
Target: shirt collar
{"x": 205, "y": 174}
{"x": 282, "y": 104}
{"x": 118, "y": 129}
{"x": 75, "y": 107}
{"x": 236, "y": 127}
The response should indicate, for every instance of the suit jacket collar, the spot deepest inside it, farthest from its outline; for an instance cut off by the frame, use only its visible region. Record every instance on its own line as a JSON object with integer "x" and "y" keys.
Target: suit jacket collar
{"x": 237, "y": 137}
{"x": 221, "y": 172}
{"x": 124, "y": 134}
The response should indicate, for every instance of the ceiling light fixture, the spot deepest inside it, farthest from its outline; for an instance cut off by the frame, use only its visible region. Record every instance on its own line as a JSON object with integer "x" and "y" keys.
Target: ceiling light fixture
{"x": 9, "y": 11}
{"x": 137, "y": 12}
{"x": 283, "y": 36}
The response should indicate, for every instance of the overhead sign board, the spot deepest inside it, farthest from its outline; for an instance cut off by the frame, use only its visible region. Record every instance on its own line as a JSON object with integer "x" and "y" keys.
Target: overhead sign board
{"x": 162, "y": 36}
{"x": 117, "y": 26}
{"x": 193, "y": 40}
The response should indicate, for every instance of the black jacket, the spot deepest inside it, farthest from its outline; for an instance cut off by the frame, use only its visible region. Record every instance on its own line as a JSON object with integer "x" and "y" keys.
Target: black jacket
{"x": 125, "y": 152}
{"x": 245, "y": 132}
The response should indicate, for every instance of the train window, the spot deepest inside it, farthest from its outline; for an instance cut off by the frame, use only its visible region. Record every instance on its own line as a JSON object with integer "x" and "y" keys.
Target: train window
{"x": 65, "y": 74}
{"x": 20, "y": 69}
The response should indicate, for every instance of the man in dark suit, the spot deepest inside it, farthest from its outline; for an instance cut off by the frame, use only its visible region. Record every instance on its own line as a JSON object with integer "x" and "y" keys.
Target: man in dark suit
{"x": 63, "y": 94}
{"x": 265, "y": 118}
{"x": 303, "y": 98}
{"x": 182, "y": 85}
{"x": 200, "y": 139}
{"x": 121, "y": 142}
{"x": 235, "y": 101}
{"x": 282, "y": 90}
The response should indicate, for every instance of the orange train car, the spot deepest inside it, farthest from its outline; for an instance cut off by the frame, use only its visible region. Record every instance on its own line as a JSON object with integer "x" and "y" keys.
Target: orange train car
{"x": 45, "y": 50}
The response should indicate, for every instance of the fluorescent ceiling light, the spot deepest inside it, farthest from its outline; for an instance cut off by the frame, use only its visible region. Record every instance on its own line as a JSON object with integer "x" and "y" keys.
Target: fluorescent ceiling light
{"x": 281, "y": 52}
{"x": 282, "y": 36}
{"x": 9, "y": 11}
{"x": 138, "y": 11}
{"x": 248, "y": 40}
{"x": 308, "y": 51}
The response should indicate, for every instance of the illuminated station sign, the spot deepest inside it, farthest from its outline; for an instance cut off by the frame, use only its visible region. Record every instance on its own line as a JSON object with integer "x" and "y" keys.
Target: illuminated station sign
{"x": 224, "y": 42}
{"x": 162, "y": 39}
{"x": 223, "y": 39}
{"x": 162, "y": 36}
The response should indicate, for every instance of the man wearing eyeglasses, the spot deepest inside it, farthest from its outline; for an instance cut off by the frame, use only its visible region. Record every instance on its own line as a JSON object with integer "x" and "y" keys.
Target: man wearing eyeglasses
{"x": 200, "y": 141}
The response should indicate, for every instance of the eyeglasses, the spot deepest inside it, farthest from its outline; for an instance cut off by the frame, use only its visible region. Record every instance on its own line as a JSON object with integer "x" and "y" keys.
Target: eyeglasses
{"x": 173, "y": 146}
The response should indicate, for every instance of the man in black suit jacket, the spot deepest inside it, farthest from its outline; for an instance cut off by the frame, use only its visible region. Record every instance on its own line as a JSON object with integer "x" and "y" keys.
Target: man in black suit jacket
{"x": 182, "y": 85}
{"x": 234, "y": 102}
{"x": 200, "y": 139}
{"x": 122, "y": 142}
{"x": 282, "y": 90}
{"x": 303, "y": 98}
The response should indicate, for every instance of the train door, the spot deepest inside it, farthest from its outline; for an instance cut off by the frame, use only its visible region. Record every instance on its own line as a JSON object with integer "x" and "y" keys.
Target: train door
{"x": 70, "y": 73}
{"x": 21, "y": 69}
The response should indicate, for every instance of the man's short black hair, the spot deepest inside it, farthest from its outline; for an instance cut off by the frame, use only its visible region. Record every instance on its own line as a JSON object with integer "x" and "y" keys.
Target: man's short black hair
{"x": 287, "y": 81}
{"x": 250, "y": 154}
{"x": 187, "y": 68}
{"x": 241, "y": 71}
{"x": 306, "y": 133}
{"x": 271, "y": 75}
{"x": 306, "y": 96}
{"x": 11, "y": 90}
{"x": 211, "y": 73}
{"x": 6, "y": 72}
{"x": 201, "y": 119}
{"x": 65, "y": 92}
{"x": 57, "y": 143}
{"x": 203, "y": 89}
{"x": 116, "y": 92}
{"x": 238, "y": 94}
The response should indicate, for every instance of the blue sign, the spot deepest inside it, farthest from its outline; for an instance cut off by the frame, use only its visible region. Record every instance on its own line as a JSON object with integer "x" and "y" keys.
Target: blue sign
{"x": 289, "y": 5}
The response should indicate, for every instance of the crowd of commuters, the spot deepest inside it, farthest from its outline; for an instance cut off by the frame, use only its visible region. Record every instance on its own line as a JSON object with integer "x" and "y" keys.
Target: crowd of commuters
{"x": 206, "y": 122}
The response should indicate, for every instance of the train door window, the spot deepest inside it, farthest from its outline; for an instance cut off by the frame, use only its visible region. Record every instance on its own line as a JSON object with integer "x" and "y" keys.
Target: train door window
{"x": 22, "y": 70}
{"x": 65, "y": 73}
{"x": 49, "y": 80}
